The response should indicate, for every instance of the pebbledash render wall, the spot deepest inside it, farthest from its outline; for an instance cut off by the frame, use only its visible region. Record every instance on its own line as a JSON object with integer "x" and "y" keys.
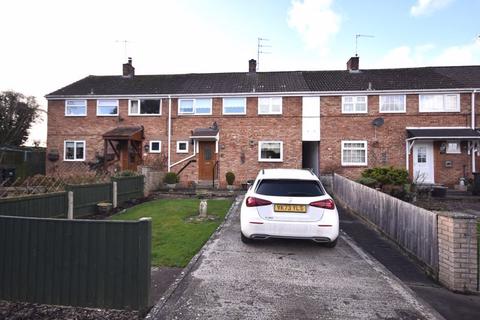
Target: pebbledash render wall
{"x": 386, "y": 144}
{"x": 239, "y": 135}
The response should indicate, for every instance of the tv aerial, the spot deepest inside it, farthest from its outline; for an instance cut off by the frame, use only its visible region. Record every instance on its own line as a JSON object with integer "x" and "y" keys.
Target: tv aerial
{"x": 356, "y": 41}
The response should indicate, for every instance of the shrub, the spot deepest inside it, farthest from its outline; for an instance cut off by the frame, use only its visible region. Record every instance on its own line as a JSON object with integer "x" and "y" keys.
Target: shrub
{"x": 126, "y": 173}
{"x": 367, "y": 181}
{"x": 387, "y": 175}
{"x": 170, "y": 178}
{"x": 230, "y": 176}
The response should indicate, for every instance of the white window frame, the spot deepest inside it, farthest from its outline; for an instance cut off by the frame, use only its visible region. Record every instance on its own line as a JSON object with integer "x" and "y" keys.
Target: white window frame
{"x": 178, "y": 146}
{"x": 260, "y": 159}
{"x": 234, "y": 113}
{"x": 143, "y": 114}
{"x": 159, "y": 146}
{"x": 270, "y": 105}
{"x": 421, "y": 107}
{"x": 390, "y": 111}
{"x": 353, "y": 112}
{"x": 108, "y": 115}
{"x": 75, "y": 150}
{"x": 365, "y": 163}
{"x": 458, "y": 151}
{"x": 194, "y": 112}
{"x": 76, "y": 115}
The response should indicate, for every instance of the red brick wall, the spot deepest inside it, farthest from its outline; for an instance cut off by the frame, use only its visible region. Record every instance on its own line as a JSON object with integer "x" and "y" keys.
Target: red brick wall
{"x": 238, "y": 142}
{"x": 239, "y": 135}
{"x": 390, "y": 138}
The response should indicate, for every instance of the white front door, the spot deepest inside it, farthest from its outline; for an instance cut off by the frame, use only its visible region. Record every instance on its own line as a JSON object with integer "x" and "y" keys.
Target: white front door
{"x": 423, "y": 162}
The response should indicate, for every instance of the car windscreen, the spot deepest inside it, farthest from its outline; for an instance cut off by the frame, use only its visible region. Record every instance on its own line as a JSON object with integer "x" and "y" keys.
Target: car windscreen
{"x": 290, "y": 188}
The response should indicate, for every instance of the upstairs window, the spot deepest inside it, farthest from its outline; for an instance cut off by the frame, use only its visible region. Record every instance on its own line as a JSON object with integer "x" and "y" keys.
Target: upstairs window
{"x": 354, "y": 104}
{"x": 145, "y": 107}
{"x": 74, "y": 150}
{"x": 354, "y": 153}
{"x": 195, "y": 106}
{"x": 107, "y": 107}
{"x": 439, "y": 103}
{"x": 272, "y": 105}
{"x": 75, "y": 108}
{"x": 393, "y": 104}
{"x": 234, "y": 105}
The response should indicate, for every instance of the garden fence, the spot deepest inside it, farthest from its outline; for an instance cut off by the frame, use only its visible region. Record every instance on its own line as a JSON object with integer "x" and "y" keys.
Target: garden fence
{"x": 85, "y": 199}
{"x": 87, "y": 263}
{"x": 411, "y": 227}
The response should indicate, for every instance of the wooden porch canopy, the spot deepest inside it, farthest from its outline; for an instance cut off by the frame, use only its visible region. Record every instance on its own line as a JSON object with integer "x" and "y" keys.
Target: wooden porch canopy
{"x": 126, "y": 137}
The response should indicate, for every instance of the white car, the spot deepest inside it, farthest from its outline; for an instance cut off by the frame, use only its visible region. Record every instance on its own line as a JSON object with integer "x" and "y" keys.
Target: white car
{"x": 289, "y": 203}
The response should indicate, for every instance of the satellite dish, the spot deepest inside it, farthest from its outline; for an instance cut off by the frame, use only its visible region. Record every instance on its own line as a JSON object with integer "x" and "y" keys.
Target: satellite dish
{"x": 378, "y": 122}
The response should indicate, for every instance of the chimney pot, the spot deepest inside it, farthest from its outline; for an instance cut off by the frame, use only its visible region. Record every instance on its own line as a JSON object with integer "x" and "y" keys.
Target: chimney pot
{"x": 252, "y": 65}
{"x": 353, "y": 63}
{"x": 128, "y": 69}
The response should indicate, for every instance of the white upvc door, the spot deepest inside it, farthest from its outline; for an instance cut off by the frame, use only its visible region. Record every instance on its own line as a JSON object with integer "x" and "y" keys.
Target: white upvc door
{"x": 311, "y": 119}
{"x": 423, "y": 171}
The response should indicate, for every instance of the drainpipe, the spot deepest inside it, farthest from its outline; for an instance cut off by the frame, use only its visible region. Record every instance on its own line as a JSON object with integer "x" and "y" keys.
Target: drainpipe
{"x": 169, "y": 130}
{"x": 474, "y": 144}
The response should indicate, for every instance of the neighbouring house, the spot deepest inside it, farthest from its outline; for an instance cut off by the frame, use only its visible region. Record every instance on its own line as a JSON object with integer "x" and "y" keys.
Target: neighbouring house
{"x": 203, "y": 125}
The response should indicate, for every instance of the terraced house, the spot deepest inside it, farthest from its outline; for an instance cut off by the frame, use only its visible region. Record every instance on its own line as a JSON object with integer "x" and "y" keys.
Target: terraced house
{"x": 422, "y": 119}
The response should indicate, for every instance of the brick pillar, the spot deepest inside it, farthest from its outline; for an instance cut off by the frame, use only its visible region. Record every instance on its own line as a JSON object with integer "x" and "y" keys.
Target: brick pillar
{"x": 457, "y": 251}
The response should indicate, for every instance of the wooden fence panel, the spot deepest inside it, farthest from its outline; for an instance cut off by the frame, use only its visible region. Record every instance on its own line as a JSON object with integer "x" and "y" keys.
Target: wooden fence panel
{"x": 411, "y": 227}
{"x": 87, "y": 263}
{"x": 40, "y": 206}
{"x": 129, "y": 188}
{"x": 86, "y": 197}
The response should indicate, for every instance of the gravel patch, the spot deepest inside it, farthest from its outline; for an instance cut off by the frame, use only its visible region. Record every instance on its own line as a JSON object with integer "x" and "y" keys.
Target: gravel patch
{"x": 33, "y": 311}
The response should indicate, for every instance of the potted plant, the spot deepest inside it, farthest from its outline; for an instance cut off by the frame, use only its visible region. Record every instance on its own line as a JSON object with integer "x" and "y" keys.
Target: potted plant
{"x": 230, "y": 176}
{"x": 170, "y": 179}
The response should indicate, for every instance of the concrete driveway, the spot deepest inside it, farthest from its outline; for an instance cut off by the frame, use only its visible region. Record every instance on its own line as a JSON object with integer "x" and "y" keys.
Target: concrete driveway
{"x": 280, "y": 279}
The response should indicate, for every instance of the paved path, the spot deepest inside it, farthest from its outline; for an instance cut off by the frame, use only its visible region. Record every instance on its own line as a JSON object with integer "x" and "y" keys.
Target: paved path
{"x": 280, "y": 279}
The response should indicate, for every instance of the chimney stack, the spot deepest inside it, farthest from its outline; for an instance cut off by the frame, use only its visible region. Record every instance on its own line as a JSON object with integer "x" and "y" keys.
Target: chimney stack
{"x": 128, "y": 69}
{"x": 252, "y": 65}
{"x": 353, "y": 63}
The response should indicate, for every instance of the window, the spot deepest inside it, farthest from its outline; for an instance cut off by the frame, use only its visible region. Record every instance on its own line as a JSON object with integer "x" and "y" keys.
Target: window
{"x": 107, "y": 107}
{"x": 270, "y": 151}
{"x": 234, "y": 105}
{"x": 439, "y": 103}
{"x": 354, "y": 104}
{"x": 453, "y": 147}
{"x": 272, "y": 105}
{"x": 155, "y": 146}
{"x": 74, "y": 150}
{"x": 145, "y": 107}
{"x": 421, "y": 155}
{"x": 182, "y": 146}
{"x": 392, "y": 103}
{"x": 354, "y": 153}
{"x": 289, "y": 188}
{"x": 75, "y": 108}
{"x": 195, "y": 106}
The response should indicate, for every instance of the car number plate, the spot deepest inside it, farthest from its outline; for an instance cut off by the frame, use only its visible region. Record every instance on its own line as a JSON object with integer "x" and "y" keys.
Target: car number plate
{"x": 298, "y": 208}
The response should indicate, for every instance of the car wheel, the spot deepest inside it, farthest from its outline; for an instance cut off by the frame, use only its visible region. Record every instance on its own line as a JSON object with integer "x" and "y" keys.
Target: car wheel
{"x": 331, "y": 244}
{"x": 245, "y": 240}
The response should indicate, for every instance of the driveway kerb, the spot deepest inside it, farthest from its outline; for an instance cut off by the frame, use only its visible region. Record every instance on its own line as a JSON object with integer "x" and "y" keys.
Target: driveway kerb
{"x": 402, "y": 289}
{"x": 157, "y": 308}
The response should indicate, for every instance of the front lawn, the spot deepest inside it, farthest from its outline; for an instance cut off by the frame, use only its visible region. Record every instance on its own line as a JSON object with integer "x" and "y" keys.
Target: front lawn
{"x": 174, "y": 240}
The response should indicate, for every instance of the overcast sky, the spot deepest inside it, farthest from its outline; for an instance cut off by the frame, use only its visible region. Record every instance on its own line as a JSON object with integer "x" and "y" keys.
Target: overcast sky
{"x": 48, "y": 44}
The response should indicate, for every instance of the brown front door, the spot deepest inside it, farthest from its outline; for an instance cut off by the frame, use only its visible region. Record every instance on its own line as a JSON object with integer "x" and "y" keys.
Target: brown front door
{"x": 206, "y": 160}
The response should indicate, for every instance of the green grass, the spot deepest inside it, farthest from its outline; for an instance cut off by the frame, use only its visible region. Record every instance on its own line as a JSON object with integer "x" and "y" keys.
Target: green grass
{"x": 174, "y": 240}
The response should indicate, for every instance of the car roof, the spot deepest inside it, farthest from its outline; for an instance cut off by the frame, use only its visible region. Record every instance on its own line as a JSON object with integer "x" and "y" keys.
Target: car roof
{"x": 299, "y": 174}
